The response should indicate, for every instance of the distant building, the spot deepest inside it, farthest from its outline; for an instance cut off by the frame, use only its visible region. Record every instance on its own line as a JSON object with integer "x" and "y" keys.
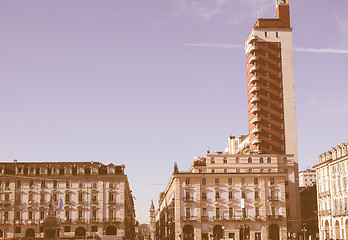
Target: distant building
{"x": 307, "y": 178}
{"x": 332, "y": 193}
{"x": 309, "y": 212}
{"x": 91, "y": 199}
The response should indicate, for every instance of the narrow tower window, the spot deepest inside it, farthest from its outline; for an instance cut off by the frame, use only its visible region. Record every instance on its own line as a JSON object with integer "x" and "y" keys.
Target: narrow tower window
{"x": 265, "y": 34}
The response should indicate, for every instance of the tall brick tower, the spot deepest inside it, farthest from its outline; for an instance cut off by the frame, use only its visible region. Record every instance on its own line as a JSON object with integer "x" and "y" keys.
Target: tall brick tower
{"x": 270, "y": 79}
{"x": 271, "y": 96}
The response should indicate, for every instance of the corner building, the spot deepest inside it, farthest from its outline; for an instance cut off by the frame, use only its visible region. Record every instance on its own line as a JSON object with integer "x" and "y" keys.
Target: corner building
{"x": 251, "y": 191}
{"x": 90, "y": 198}
{"x": 332, "y": 193}
{"x": 229, "y": 196}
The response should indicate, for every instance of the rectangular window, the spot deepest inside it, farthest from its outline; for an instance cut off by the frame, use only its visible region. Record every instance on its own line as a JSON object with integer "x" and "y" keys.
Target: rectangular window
{"x": 217, "y": 213}
{"x": 257, "y": 212}
{"x": 266, "y": 34}
{"x": 243, "y": 181}
{"x": 204, "y": 195}
{"x": 187, "y": 181}
{"x": 271, "y": 181}
{"x": 204, "y": 181}
{"x": 19, "y": 184}
{"x": 94, "y": 229}
{"x": 111, "y": 213}
{"x": 230, "y": 212}
{"x": 230, "y": 195}
{"x": 67, "y": 214}
{"x": 67, "y": 229}
{"x": 188, "y": 213}
{"x": 42, "y": 214}
{"x": 67, "y": 198}
{"x": 217, "y": 195}
{"x": 257, "y": 196}
{"x": 230, "y": 181}
{"x": 80, "y": 197}
{"x": 30, "y": 215}
{"x": 80, "y": 213}
{"x": 243, "y": 194}
{"x": 216, "y": 181}
{"x": 277, "y": 34}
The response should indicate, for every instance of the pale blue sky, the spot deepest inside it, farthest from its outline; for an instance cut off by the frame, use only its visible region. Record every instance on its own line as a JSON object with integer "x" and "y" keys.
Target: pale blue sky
{"x": 113, "y": 81}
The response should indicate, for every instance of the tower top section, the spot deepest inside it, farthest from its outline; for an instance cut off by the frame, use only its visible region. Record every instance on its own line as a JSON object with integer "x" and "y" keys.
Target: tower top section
{"x": 282, "y": 2}
{"x": 282, "y": 19}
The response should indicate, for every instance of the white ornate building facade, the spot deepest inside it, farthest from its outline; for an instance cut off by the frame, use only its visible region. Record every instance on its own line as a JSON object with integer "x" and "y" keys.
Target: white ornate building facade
{"x": 230, "y": 196}
{"x": 91, "y": 199}
{"x": 332, "y": 193}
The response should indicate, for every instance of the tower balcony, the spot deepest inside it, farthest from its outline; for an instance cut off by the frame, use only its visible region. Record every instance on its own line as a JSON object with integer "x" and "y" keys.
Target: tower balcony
{"x": 252, "y": 49}
{"x": 255, "y": 130}
{"x": 254, "y": 89}
{"x": 251, "y": 39}
{"x": 253, "y": 59}
{"x": 255, "y": 99}
{"x": 253, "y": 79}
{"x": 255, "y": 109}
{"x": 253, "y": 69}
{"x": 255, "y": 120}
{"x": 256, "y": 141}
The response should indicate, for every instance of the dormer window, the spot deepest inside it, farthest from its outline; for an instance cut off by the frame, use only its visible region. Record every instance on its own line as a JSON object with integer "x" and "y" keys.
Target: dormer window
{"x": 32, "y": 170}
{"x": 1, "y": 170}
{"x": 43, "y": 170}
{"x": 81, "y": 170}
{"x": 111, "y": 170}
{"x": 68, "y": 170}
{"x": 55, "y": 170}
{"x": 19, "y": 170}
{"x": 94, "y": 170}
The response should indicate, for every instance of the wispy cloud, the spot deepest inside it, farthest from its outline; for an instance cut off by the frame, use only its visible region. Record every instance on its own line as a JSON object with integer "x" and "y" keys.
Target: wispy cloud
{"x": 320, "y": 50}
{"x": 214, "y": 45}
{"x": 231, "y": 11}
{"x": 337, "y": 107}
{"x": 296, "y": 49}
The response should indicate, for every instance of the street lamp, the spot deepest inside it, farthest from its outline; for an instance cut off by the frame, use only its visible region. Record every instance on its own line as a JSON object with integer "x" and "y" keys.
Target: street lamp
{"x": 304, "y": 230}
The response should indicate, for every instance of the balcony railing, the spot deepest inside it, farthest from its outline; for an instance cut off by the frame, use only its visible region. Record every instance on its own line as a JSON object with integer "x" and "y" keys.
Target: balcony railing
{"x": 325, "y": 212}
{"x": 204, "y": 218}
{"x": 112, "y": 220}
{"x": 254, "y": 89}
{"x": 255, "y": 99}
{"x": 218, "y": 217}
{"x": 94, "y": 220}
{"x": 256, "y": 130}
{"x": 30, "y": 221}
{"x": 251, "y": 39}
{"x": 256, "y": 141}
{"x": 112, "y": 202}
{"x": 17, "y": 222}
{"x": 255, "y": 119}
{"x": 81, "y": 220}
{"x": 255, "y": 109}
{"x": 252, "y": 49}
{"x": 253, "y": 68}
{"x": 253, "y": 79}
{"x": 274, "y": 198}
{"x": 189, "y": 218}
{"x": 188, "y": 199}
{"x": 253, "y": 58}
{"x": 274, "y": 217}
